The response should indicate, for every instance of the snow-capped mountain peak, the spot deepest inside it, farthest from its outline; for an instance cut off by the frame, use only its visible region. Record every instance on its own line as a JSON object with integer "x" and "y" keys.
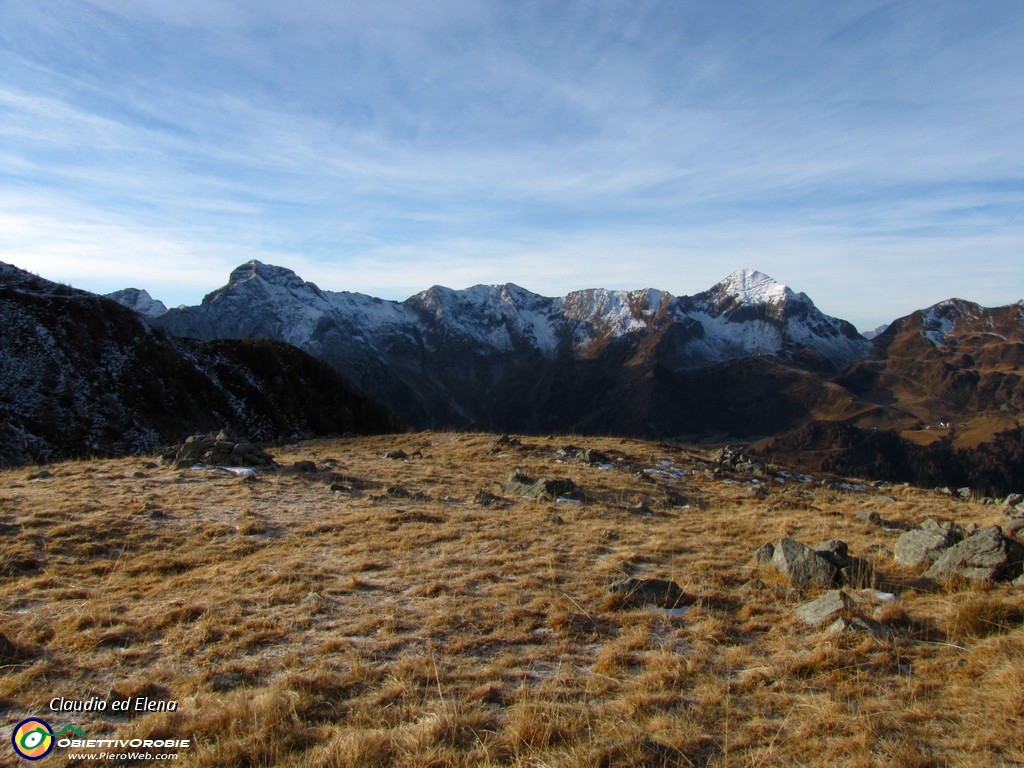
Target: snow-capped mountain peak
{"x": 139, "y": 300}
{"x": 748, "y": 287}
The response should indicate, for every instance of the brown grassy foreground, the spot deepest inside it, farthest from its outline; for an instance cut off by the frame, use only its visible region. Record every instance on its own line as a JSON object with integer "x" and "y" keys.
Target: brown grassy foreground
{"x": 396, "y": 621}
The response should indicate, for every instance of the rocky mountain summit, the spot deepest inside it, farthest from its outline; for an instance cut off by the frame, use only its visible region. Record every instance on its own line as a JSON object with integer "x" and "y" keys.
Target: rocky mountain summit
{"x": 139, "y": 300}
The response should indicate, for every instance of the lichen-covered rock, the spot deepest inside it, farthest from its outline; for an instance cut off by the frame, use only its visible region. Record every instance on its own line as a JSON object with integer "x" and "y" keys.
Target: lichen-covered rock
{"x": 924, "y": 544}
{"x": 985, "y": 556}
{"x": 824, "y": 609}
{"x": 803, "y": 566}
{"x": 543, "y": 488}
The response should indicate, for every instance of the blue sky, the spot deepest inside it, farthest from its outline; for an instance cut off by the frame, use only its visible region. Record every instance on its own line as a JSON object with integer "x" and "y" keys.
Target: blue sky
{"x": 870, "y": 154}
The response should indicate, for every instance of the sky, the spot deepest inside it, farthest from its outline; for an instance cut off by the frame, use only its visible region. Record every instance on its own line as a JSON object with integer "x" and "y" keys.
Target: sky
{"x": 869, "y": 154}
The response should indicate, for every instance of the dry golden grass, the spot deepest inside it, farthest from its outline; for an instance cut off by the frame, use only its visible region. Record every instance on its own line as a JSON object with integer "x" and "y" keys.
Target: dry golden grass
{"x": 375, "y": 613}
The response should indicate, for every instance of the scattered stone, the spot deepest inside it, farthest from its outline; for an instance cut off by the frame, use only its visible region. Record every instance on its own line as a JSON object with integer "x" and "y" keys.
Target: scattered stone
{"x": 764, "y": 554}
{"x": 1015, "y": 526}
{"x": 675, "y": 499}
{"x": 833, "y": 550}
{"x": 823, "y": 609}
{"x": 215, "y": 449}
{"x": 860, "y": 624}
{"x": 964, "y": 493}
{"x": 582, "y": 455}
{"x": 556, "y": 520}
{"x": 1012, "y": 500}
{"x": 398, "y": 492}
{"x": 488, "y": 499}
{"x": 304, "y": 466}
{"x": 734, "y": 458}
{"x": 869, "y": 516}
{"x": 396, "y": 455}
{"x": 985, "y": 556}
{"x": 40, "y": 474}
{"x": 803, "y": 566}
{"x": 642, "y": 592}
{"x": 923, "y": 545}
{"x": 757, "y": 492}
{"x": 543, "y": 488}
{"x": 503, "y": 442}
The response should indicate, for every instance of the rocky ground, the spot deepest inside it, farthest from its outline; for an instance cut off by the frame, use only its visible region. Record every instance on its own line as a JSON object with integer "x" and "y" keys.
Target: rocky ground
{"x": 474, "y": 599}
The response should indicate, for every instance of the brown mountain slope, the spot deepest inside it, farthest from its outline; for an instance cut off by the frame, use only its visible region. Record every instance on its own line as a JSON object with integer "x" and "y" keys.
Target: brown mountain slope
{"x": 939, "y": 403}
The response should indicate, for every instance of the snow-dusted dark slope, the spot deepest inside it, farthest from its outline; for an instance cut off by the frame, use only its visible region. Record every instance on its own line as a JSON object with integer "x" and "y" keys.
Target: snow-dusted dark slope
{"x": 482, "y": 355}
{"x": 81, "y": 374}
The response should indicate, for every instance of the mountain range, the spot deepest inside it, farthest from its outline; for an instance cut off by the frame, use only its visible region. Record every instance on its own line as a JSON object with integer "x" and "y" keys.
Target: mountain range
{"x": 502, "y": 358}
{"x": 747, "y": 360}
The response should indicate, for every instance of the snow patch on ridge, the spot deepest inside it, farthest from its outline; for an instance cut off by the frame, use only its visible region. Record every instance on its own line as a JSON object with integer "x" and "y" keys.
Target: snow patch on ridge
{"x": 752, "y": 288}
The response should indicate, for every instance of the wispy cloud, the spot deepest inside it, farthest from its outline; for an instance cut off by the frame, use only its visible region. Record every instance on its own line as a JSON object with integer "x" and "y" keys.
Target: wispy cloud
{"x": 553, "y": 146}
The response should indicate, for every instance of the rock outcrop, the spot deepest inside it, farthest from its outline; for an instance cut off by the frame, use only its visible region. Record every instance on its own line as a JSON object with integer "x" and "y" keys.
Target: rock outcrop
{"x": 986, "y": 556}
{"x": 215, "y": 449}
{"x": 824, "y": 566}
{"x": 923, "y": 545}
{"x": 544, "y": 487}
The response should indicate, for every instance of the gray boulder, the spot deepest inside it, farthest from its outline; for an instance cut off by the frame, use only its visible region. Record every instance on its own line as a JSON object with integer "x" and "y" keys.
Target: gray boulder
{"x": 853, "y": 571}
{"x": 544, "y": 487}
{"x": 824, "y": 609}
{"x": 869, "y": 516}
{"x": 924, "y": 544}
{"x": 803, "y": 566}
{"x": 985, "y": 556}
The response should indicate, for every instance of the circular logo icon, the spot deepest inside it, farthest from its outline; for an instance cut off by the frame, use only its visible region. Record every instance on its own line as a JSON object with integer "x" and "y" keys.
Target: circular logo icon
{"x": 32, "y": 739}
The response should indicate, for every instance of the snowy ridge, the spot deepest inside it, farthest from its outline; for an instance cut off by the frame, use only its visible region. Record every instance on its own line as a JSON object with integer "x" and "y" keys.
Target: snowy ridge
{"x": 138, "y": 300}
{"x": 746, "y": 314}
{"x": 940, "y": 320}
{"x": 496, "y": 317}
{"x": 484, "y": 354}
{"x": 617, "y": 312}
